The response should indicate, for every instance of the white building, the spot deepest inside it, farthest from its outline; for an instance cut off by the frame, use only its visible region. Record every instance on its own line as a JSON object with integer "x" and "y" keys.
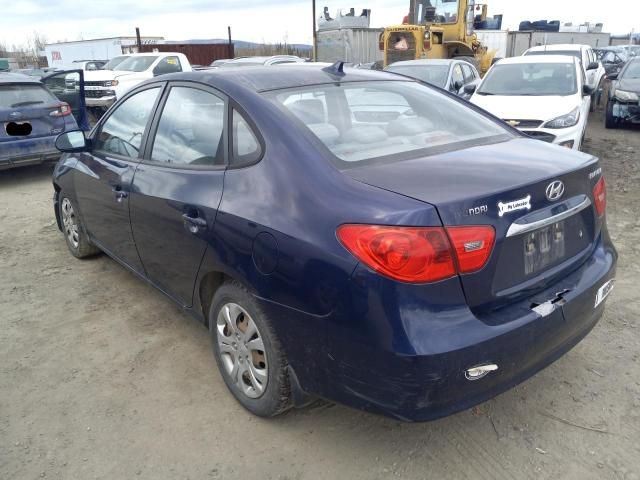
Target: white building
{"x": 64, "y": 53}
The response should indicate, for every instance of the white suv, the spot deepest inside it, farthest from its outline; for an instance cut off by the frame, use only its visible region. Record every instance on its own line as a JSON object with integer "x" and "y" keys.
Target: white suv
{"x": 593, "y": 69}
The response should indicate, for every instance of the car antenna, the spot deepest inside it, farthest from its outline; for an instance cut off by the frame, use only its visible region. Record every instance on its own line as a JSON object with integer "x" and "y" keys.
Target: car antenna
{"x": 336, "y": 69}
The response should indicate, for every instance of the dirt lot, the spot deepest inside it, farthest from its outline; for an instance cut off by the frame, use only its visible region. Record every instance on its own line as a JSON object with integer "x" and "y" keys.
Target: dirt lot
{"x": 103, "y": 377}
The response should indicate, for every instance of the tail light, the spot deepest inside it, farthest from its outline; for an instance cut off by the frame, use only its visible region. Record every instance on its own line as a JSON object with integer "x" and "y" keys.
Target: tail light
{"x": 407, "y": 254}
{"x": 600, "y": 196}
{"x": 419, "y": 254}
{"x": 472, "y": 245}
{"x": 62, "y": 111}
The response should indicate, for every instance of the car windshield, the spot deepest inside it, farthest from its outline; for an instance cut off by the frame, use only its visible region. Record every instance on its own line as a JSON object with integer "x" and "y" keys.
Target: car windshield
{"x": 386, "y": 120}
{"x": 632, "y": 71}
{"x": 434, "y": 74}
{"x": 436, "y": 11}
{"x": 113, "y": 63}
{"x": 530, "y": 79}
{"x": 12, "y": 96}
{"x": 570, "y": 53}
{"x": 135, "y": 64}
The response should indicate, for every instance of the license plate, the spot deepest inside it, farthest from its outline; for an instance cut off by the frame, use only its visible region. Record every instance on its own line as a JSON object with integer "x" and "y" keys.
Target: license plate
{"x": 543, "y": 247}
{"x": 603, "y": 292}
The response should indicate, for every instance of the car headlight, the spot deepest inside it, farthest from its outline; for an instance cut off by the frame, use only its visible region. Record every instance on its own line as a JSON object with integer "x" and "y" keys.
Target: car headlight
{"x": 111, "y": 83}
{"x": 624, "y": 96}
{"x": 565, "y": 121}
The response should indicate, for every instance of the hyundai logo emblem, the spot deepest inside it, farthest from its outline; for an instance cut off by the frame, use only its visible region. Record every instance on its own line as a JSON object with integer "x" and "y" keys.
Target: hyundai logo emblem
{"x": 555, "y": 190}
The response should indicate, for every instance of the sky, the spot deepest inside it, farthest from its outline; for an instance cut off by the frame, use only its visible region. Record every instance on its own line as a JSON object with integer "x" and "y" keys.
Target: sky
{"x": 268, "y": 21}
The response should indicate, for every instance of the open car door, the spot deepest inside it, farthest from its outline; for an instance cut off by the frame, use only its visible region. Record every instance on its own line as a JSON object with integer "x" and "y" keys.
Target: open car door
{"x": 68, "y": 87}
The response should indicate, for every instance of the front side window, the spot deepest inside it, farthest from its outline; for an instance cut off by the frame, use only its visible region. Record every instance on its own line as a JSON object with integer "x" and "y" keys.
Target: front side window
{"x": 457, "y": 78}
{"x": 168, "y": 65}
{"x": 531, "y": 79}
{"x": 386, "y": 120}
{"x": 469, "y": 75}
{"x": 190, "y": 131}
{"x": 121, "y": 134}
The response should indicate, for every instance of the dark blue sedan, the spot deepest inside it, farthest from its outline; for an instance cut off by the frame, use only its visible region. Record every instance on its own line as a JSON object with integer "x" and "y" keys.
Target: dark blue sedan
{"x": 345, "y": 234}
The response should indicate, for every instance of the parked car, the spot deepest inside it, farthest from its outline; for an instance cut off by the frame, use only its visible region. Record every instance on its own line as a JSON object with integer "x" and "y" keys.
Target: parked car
{"x": 34, "y": 72}
{"x": 31, "y": 118}
{"x": 614, "y": 61}
{"x": 452, "y": 75}
{"x": 262, "y": 61}
{"x": 104, "y": 87}
{"x": 593, "y": 69}
{"x": 544, "y": 97}
{"x": 623, "y": 101}
{"x": 412, "y": 265}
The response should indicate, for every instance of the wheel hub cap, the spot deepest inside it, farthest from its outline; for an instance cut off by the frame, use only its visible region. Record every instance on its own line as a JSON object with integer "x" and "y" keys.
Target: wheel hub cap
{"x": 69, "y": 223}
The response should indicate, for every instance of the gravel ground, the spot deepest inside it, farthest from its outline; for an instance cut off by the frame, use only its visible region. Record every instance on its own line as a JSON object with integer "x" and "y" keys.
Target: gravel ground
{"x": 103, "y": 377}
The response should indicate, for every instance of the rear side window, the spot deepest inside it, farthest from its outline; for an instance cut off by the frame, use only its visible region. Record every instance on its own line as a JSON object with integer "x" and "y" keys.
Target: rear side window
{"x": 14, "y": 96}
{"x": 168, "y": 65}
{"x": 121, "y": 134}
{"x": 246, "y": 147}
{"x": 190, "y": 131}
{"x": 386, "y": 120}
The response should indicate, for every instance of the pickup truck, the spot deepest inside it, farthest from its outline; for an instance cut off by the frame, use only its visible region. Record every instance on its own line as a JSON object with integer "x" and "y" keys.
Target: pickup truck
{"x": 104, "y": 87}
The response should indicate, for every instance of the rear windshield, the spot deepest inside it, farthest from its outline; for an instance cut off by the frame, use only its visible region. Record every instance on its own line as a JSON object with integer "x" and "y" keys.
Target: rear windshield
{"x": 13, "y": 96}
{"x": 433, "y": 74}
{"x": 390, "y": 120}
{"x": 135, "y": 64}
{"x": 530, "y": 79}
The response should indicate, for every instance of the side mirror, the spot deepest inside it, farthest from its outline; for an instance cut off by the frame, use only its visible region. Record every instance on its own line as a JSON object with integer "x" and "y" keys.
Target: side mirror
{"x": 470, "y": 88}
{"x": 587, "y": 90}
{"x": 593, "y": 66}
{"x": 613, "y": 76}
{"x": 73, "y": 141}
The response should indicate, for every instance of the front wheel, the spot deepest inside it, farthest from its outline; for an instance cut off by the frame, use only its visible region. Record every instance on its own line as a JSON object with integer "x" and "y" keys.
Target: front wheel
{"x": 74, "y": 234}
{"x": 248, "y": 353}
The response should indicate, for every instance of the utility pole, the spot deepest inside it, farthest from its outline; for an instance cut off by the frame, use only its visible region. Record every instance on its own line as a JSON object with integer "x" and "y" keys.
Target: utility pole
{"x": 230, "y": 45}
{"x": 138, "y": 40}
{"x": 315, "y": 34}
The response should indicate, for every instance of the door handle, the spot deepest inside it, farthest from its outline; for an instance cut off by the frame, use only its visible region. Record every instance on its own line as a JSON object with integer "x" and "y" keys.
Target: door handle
{"x": 119, "y": 193}
{"x": 193, "y": 224}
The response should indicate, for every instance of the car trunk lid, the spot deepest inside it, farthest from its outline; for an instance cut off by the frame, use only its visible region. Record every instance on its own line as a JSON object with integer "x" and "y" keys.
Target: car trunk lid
{"x": 505, "y": 186}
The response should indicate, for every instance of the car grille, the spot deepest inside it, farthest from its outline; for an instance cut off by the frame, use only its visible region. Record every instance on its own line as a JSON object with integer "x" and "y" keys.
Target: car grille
{"x": 96, "y": 84}
{"x": 524, "y": 123}
{"x": 394, "y": 55}
{"x": 544, "y": 136}
{"x": 96, "y": 93}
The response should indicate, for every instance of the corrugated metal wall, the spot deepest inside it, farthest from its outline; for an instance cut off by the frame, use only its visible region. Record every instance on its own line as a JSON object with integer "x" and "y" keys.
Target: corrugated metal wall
{"x": 356, "y": 45}
{"x": 521, "y": 41}
{"x": 198, "y": 54}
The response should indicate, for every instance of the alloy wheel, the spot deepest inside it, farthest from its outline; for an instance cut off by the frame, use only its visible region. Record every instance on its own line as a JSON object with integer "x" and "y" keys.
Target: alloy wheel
{"x": 241, "y": 350}
{"x": 70, "y": 223}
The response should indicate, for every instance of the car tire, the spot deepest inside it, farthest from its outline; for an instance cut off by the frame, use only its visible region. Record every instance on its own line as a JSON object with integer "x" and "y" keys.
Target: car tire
{"x": 74, "y": 233}
{"x": 248, "y": 353}
{"x": 610, "y": 121}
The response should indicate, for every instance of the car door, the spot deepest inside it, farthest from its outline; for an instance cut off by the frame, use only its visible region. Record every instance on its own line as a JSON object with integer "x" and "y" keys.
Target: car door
{"x": 592, "y": 75}
{"x": 471, "y": 77}
{"x": 74, "y": 96}
{"x": 178, "y": 186}
{"x": 103, "y": 176}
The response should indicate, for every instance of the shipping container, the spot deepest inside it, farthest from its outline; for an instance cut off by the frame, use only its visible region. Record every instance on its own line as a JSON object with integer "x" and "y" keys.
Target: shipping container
{"x": 355, "y": 45}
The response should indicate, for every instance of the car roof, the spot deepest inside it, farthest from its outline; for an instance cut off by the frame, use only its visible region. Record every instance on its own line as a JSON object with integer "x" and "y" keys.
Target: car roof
{"x": 427, "y": 62}
{"x": 572, "y": 47}
{"x": 6, "y": 78}
{"x": 538, "y": 59}
{"x": 262, "y": 78}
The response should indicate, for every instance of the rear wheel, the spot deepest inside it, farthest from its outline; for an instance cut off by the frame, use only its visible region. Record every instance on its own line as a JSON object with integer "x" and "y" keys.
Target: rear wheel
{"x": 248, "y": 353}
{"x": 74, "y": 234}
{"x": 610, "y": 121}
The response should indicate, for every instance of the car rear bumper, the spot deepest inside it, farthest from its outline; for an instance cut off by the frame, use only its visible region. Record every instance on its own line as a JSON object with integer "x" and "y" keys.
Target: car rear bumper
{"x": 24, "y": 152}
{"x": 427, "y": 380}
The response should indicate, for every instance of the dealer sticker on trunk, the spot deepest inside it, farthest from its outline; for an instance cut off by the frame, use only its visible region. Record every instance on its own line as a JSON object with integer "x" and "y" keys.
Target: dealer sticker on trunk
{"x": 508, "y": 207}
{"x": 603, "y": 292}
